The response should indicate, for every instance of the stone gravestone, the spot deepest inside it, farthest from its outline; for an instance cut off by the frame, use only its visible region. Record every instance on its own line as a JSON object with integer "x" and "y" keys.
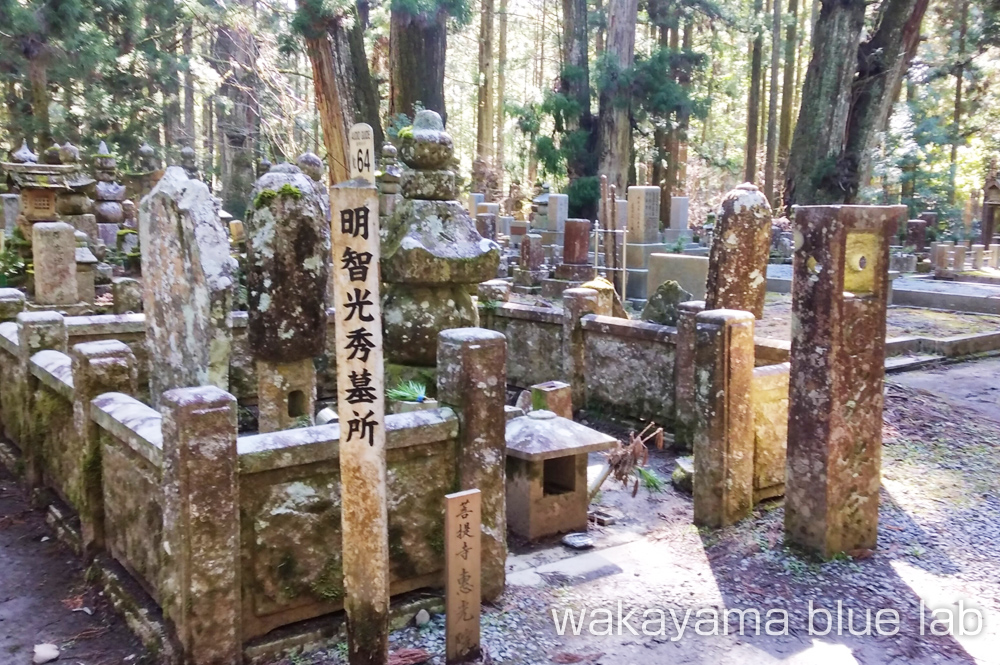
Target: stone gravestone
{"x": 916, "y": 234}
{"x": 187, "y": 285}
{"x": 737, "y": 275}
{"x": 11, "y": 209}
{"x": 643, "y": 237}
{"x": 287, "y": 267}
{"x": 840, "y": 289}
{"x": 53, "y": 246}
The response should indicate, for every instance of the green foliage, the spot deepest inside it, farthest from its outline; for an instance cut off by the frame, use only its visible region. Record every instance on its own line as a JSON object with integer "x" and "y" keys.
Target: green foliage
{"x": 649, "y": 479}
{"x": 314, "y": 17}
{"x": 408, "y": 391}
{"x": 12, "y": 266}
{"x": 550, "y": 158}
{"x": 460, "y": 11}
{"x": 584, "y": 191}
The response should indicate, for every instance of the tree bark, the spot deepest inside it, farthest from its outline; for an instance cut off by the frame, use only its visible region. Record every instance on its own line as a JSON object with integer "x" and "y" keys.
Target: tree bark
{"x": 484, "y": 88}
{"x": 772, "y": 105}
{"x": 956, "y": 121}
{"x": 417, "y": 45}
{"x": 342, "y": 85}
{"x": 501, "y": 93}
{"x": 753, "y": 103}
{"x": 615, "y": 127}
{"x": 38, "y": 79}
{"x": 819, "y": 132}
{"x": 574, "y": 79}
{"x": 235, "y": 56}
{"x": 788, "y": 85}
{"x": 188, "y": 47}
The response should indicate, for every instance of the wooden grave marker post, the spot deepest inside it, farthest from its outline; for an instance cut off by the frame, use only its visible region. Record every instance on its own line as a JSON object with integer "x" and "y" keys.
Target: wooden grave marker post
{"x": 361, "y": 152}
{"x": 463, "y": 561}
{"x": 361, "y": 407}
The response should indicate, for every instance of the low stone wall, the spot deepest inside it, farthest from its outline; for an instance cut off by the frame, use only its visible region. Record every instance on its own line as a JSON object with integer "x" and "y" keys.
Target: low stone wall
{"x": 232, "y": 536}
{"x": 534, "y": 341}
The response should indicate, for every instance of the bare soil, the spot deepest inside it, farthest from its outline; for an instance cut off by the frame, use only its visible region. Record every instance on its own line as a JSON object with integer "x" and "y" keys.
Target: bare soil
{"x": 44, "y": 597}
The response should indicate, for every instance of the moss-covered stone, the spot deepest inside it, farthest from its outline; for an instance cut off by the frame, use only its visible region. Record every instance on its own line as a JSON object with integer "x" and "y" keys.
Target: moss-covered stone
{"x": 662, "y": 306}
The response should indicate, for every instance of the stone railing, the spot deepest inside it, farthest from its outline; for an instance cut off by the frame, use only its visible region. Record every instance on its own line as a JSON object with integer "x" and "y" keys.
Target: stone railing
{"x": 233, "y": 536}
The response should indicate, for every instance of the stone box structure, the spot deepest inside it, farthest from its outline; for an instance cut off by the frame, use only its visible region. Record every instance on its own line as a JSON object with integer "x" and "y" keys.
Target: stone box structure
{"x": 547, "y": 473}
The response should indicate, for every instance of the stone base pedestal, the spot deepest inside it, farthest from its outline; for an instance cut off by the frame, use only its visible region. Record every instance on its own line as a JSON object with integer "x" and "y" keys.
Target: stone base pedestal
{"x": 582, "y": 272}
{"x": 637, "y": 287}
{"x": 286, "y": 394}
{"x": 524, "y": 277}
{"x": 637, "y": 256}
{"x": 553, "y": 288}
{"x": 691, "y": 272}
{"x": 85, "y": 223}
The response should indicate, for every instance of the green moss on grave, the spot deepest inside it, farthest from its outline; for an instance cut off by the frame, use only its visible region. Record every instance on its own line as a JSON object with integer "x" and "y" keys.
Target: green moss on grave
{"x": 401, "y": 563}
{"x": 406, "y": 132}
{"x": 435, "y": 537}
{"x": 329, "y": 585}
{"x": 266, "y": 196}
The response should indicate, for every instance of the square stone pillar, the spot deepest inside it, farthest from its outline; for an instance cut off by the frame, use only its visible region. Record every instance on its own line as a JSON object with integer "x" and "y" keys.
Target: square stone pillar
{"x": 98, "y": 367}
{"x": 36, "y": 331}
{"x": 978, "y": 252}
{"x": 959, "y": 253}
{"x": 472, "y": 379}
{"x": 643, "y": 215}
{"x": 723, "y": 429}
{"x": 684, "y": 359}
{"x": 577, "y": 303}
{"x": 840, "y": 288}
{"x": 200, "y": 592}
{"x": 286, "y": 394}
{"x": 554, "y": 396}
{"x": 11, "y": 304}
{"x": 53, "y": 248}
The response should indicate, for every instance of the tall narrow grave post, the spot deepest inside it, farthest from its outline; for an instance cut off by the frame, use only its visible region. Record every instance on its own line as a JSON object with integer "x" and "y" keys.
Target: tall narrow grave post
{"x": 361, "y": 407}
{"x": 463, "y": 591}
{"x": 839, "y": 294}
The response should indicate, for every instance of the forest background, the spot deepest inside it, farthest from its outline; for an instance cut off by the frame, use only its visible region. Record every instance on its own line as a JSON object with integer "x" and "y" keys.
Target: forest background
{"x": 881, "y": 102}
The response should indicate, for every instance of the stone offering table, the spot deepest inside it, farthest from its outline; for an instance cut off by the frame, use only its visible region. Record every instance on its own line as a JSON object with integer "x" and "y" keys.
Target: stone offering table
{"x": 547, "y": 473}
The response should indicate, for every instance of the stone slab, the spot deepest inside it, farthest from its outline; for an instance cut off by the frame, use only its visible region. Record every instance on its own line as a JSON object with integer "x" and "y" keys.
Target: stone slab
{"x": 690, "y": 272}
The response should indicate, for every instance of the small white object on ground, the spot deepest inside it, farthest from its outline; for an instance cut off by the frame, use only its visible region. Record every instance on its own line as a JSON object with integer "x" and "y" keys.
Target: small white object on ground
{"x": 423, "y": 618}
{"x": 45, "y": 653}
{"x": 578, "y": 541}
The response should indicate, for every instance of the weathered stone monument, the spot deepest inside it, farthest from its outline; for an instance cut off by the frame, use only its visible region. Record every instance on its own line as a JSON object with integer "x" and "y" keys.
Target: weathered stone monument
{"x": 287, "y": 268}
{"x": 54, "y": 249}
{"x": 575, "y": 268}
{"x": 840, "y": 288}
{"x": 188, "y": 285}
{"x": 529, "y": 275}
{"x": 737, "y": 276}
{"x": 431, "y": 250}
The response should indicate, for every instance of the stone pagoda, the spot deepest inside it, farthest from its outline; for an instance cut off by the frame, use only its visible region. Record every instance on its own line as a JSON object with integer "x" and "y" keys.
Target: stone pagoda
{"x": 431, "y": 252}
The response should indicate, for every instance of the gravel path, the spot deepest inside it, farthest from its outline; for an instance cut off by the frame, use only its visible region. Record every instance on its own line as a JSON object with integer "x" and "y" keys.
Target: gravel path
{"x": 939, "y": 545}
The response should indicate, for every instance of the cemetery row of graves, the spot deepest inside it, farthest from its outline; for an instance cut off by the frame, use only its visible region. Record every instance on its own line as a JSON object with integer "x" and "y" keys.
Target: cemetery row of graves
{"x": 315, "y": 409}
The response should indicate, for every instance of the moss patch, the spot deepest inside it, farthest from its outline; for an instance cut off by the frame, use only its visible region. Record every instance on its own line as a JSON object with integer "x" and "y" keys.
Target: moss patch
{"x": 265, "y": 197}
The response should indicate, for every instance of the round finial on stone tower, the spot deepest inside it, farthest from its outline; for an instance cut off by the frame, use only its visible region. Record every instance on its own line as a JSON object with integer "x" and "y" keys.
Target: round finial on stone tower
{"x": 105, "y": 163}
{"x": 102, "y": 149}
{"x": 51, "y": 155}
{"x": 147, "y": 157}
{"x": 263, "y": 166}
{"x": 189, "y": 161}
{"x": 388, "y": 155}
{"x": 311, "y": 165}
{"x": 426, "y": 145}
{"x": 69, "y": 153}
{"x": 24, "y": 154}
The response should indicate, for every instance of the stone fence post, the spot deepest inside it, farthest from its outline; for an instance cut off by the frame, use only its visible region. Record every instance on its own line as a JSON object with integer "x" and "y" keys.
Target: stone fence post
{"x": 684, "y": 408}
{"x": 472, "y": 378}
{"x": 11, "y": 304}
{"x": 98, "y": 367}
{"x": 36, "y": 331}
{"x": 577, "y": 303}
{"x": 723, "y": 432}
{"x": 201, "y": 593}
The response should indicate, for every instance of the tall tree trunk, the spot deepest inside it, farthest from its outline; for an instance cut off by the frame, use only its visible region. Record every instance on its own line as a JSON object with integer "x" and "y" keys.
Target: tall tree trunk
{"x": 956, "y": 120}
{"x": 788, "y": 85}
{"x": 772, "y": 105}
{"x": 678, "y": 181}
{"x": 236, "y": 54}
{"x": 753, "y": 104}
{"x": 661, "y": 141}
{"x": 847, "y": 97}
{"x": 819, "y": 132}
{"x": 599, "y": 33}
{"x": 342, "y": 86}
{"x": 188, "y": 46}
{"x": 38, "y": 81}
{"x": 574, "y": 79}
{"x": 501, "y": 94}
{"x": 615, "y": 126}
{"x": 484, "y": 119}
{"x": 417, "y": 44}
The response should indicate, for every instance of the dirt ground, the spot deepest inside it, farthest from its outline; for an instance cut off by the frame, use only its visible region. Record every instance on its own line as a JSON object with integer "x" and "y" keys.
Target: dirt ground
{"x": 44, "y": 597}
{"x": 900, "y": 321}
